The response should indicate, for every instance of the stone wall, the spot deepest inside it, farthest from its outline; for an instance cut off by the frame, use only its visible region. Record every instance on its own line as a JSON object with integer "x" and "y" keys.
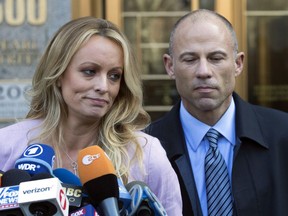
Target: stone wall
{"x": 25, "y": 29}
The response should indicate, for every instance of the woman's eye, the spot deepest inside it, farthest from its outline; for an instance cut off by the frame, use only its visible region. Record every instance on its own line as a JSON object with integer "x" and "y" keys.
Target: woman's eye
{"x": 89, "y": 72}
{"x": 115, "y": 76}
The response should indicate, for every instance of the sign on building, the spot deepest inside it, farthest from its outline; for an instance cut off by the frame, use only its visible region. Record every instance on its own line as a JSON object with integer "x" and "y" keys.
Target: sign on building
{"x": 25, "y": 29}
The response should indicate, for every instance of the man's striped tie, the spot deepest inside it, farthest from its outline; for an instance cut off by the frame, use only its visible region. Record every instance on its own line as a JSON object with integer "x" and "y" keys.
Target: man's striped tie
{"x": 219, "y": 197}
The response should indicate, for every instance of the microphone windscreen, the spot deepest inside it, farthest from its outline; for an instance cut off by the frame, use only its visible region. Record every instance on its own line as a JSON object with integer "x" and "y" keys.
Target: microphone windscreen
{"x": 14, "y": 177}
{"x": 36, "y": 158}
{"x": 39, "y": 176}
{"x": 144, "y": 199}
{"x": 97, "y": 174}
{"x": 101, "y": 188}
{"x": 67, "y": 176}
{"x": 93, "y": 162}
{"x": 124, "y": 196}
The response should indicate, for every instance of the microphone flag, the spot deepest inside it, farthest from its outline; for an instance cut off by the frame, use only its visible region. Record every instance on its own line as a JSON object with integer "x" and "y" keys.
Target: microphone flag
{"x": 45, "y": 196}
{"x": 37, "y": 158}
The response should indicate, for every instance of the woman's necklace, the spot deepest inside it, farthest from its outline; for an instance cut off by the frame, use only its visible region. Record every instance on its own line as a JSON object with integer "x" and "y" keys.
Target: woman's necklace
{"x": 72, "y": 162}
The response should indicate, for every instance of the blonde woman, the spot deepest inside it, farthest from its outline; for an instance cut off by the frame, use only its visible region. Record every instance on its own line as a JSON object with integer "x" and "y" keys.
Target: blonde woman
{"x": 87, "y": 91}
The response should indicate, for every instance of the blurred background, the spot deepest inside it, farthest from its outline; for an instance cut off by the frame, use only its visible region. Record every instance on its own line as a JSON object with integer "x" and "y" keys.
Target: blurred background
{"x": 261, "y": 27}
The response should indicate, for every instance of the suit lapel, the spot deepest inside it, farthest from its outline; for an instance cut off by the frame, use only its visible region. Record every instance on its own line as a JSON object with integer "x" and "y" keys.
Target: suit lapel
{"x": 179, "y": 154}
{"x": 185, "y": 170}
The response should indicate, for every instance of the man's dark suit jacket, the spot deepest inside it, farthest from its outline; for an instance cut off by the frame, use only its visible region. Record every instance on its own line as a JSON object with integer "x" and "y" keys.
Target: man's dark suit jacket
{"x": 260, "y": 167}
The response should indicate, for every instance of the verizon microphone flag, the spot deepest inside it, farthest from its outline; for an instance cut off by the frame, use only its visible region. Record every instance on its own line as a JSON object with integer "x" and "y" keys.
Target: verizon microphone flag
{"x": 46, "y": 192}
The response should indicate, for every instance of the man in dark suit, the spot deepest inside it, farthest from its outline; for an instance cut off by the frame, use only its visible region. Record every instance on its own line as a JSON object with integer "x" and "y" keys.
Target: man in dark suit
{"x": 204, "y": 61}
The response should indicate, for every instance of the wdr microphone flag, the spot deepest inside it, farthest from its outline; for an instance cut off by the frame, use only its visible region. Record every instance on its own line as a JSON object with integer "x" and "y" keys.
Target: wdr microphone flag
{"x": 37, "y": 158}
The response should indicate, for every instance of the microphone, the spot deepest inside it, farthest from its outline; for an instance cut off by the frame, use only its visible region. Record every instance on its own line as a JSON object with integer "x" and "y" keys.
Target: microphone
{"x": 67, "y": 176}
{"x": 9, "y": 192}
{"x": 14, "y": 177}
{"x": 9, "y": 201}
{"x": 98, "y": 177}
{"x": 124, "y": 198}
{"x": 144, "y": 201}
{"x": 70, "y": 182}
{"x": 43, "y": 197}
{"x": 37, "y": 158}
{"x": 87, "y": 210}
{"x": 72, "y": 187}
{"x": 40, "y": 176}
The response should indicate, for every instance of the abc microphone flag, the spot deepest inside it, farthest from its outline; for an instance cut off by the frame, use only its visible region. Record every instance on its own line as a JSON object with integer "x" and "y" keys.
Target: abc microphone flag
{"x": 98, "y": 177}
{"x": 71, "y": 185}
{"x": 37, "y": 158}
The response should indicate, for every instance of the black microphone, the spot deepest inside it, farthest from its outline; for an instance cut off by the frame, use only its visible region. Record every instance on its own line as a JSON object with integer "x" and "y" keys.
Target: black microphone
{"x": 14, "y": 177}
{"x": 11, "y": 179}
{"x": 40, "y": 176}
{"x": 144, "y": 201}
{"x": 98, "y": 177}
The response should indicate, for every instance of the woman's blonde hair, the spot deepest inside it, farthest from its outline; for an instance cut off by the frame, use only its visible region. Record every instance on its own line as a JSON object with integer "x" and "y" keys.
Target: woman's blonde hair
{"x": 116, "y": 129}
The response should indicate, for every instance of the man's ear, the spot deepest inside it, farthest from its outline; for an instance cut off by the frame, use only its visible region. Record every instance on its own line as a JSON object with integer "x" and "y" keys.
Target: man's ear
{"x": 168, "y": 63}
{"x": 239, "y": 63}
